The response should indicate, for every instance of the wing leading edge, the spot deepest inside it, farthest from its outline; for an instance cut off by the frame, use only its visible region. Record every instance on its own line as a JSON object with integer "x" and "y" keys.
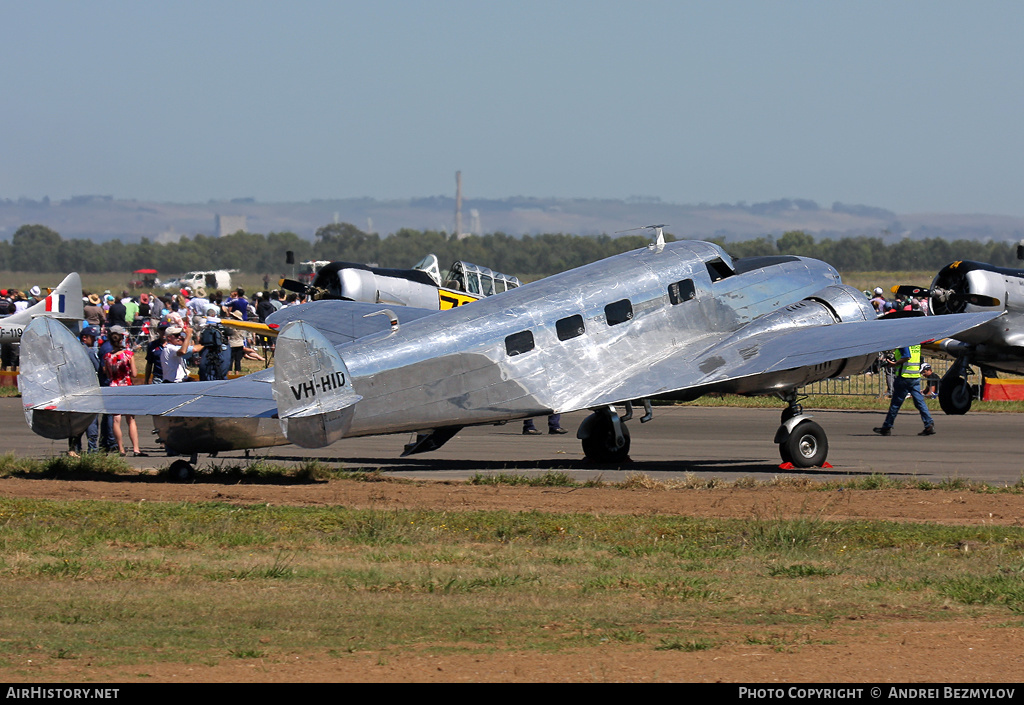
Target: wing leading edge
{"x": 745, "y": 355}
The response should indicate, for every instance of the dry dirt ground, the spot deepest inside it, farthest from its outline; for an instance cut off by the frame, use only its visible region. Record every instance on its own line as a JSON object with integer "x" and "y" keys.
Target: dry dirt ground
{"x": 869, "y": 650}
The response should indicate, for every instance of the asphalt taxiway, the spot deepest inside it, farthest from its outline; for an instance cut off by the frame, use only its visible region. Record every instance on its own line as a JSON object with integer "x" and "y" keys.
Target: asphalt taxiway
{"x": 727, "y": 443}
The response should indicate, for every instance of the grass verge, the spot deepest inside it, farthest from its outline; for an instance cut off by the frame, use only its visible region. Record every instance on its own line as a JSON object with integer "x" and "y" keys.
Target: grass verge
{"x": 118, "y": 583}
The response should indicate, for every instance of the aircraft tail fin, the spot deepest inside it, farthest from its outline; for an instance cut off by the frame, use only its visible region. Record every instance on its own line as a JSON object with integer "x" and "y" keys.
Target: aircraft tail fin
{"x": 65, "y": 302}
{"x": 54, "y": 365}
{"x": 312, "y": 387}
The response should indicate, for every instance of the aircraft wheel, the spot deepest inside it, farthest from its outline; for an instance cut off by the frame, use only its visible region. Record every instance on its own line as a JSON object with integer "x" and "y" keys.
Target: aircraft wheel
{"x": 806, "y": 446}
{"x": 955, "y": 396}
{"x": 181, "y": 471}
{"x": 784, "y": 453}
{"x": 599, "y": 446}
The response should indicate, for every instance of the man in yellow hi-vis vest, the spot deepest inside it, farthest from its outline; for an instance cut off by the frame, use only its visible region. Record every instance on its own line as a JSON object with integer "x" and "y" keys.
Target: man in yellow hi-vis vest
{"x": 908, "y": 376}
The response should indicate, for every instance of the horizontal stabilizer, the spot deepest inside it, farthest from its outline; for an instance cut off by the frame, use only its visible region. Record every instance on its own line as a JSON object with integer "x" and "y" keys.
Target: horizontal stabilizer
{"x": 312, "y": 387}
{"x": 344, "y": 321}
{"x": 54, "y": 365}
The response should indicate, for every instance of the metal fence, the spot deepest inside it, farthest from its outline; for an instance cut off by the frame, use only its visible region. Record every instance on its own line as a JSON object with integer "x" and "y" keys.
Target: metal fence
{"x": 866, "y": 385}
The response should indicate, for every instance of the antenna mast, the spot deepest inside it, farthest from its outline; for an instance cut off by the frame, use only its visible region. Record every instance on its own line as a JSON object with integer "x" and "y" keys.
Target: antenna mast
{"x": 458, "y": 205}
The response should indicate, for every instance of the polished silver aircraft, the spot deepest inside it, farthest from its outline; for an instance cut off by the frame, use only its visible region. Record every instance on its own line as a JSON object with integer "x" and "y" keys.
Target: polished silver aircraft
{"x": 64, "y": 303}
{"x": 966, "y": 286}
{"x": 668, "y": 321}
{"x": 423, "y": 286}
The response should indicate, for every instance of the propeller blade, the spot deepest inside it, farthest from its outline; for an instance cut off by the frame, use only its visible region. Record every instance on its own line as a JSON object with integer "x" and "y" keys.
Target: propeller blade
{"x": 979, "y": 299}
{"x": 909, "y": 290}
{"x": 292, "y": 285}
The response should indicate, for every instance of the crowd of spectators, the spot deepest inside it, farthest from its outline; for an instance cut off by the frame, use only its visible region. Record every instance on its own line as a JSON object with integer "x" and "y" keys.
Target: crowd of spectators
{"x": 173, "y": 333}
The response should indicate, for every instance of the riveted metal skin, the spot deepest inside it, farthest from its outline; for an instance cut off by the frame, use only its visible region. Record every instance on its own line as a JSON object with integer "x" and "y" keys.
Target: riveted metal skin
{"x": 668, "y": 322}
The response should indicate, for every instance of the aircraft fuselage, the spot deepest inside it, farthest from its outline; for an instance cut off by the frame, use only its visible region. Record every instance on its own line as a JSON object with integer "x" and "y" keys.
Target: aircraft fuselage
{"x": 535, "y": 349}
{"x": 1000, "y": 342}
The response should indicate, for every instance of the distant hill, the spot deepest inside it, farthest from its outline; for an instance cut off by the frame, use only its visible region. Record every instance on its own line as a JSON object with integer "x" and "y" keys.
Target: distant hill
{"x": 102, "y": 218}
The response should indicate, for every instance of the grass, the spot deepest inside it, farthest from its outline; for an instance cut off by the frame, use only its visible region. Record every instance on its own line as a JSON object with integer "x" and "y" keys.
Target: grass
{"x": 99, "y": 465}
{"x": 550, "y": 478}
{"x": 61, "y": 466}
{"x": 118, "y": 583}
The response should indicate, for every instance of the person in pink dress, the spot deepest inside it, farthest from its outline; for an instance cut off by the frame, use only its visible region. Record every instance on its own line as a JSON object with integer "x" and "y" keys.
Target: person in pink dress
{"x": 120, "y": 367}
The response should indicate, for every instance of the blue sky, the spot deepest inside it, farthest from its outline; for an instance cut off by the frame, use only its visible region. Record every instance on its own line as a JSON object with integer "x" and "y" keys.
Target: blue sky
{"x": 912, "y": 106}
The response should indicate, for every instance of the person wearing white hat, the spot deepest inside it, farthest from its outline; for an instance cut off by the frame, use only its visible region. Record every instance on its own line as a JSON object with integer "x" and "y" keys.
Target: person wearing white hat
{"x": 36, "y": 292}
{"x": 174, "y": 357}
{"x": 878, "y": 300}
{"x": 929, "y": 382}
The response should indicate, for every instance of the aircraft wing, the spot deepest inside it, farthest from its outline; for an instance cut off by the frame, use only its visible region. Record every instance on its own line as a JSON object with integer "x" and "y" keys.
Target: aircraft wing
{"x": 246, "y": 326}
{"x": 774, "y": 350}
{"x": 344, "y": 321}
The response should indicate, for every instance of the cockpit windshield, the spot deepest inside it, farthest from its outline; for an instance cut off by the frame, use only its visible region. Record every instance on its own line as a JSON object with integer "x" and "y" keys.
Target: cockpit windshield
{"x": 481, "y": 281}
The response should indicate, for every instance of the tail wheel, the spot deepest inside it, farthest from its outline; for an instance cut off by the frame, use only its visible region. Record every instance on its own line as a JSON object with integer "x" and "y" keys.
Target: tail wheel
{"x": 181, "y": 471}
{"x": 600, "y": 446}
{"x": 806, "y": 446}
{"x": 955, "y": 396}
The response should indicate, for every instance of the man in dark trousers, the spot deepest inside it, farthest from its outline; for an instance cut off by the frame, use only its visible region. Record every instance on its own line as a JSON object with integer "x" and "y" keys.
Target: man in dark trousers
{"x": 907, "y": 381}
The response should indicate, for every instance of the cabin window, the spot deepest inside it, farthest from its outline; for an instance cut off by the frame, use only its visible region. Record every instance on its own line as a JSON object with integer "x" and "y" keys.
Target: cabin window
{"x": 718, "y": 269}
{"x": 499, "y": 286}
{"x": 487, "y": 285}
{"x": 518, "y": 343}
{"x": 681, "y": 291}
{"x": 618, "y": 312}
{"x": 570, "y": 327}
{"x": 473, "y": 283}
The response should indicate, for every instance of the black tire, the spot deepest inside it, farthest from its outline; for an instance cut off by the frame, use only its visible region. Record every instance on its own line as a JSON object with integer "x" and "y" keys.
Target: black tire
{"x": 181, "y": 471}
{"x": 806, "y": 446}
{"x": 955, "y": 396}
{"x": 784, "y": 453}
{"x": 599, "y": 446}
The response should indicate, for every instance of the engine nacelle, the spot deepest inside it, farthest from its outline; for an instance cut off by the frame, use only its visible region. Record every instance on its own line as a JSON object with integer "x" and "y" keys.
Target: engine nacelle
{"x": 846, "y": 303}
{"x": 837, "y": 303}
{"x": 357, "y": 285}
{"x": 834, "y": 304}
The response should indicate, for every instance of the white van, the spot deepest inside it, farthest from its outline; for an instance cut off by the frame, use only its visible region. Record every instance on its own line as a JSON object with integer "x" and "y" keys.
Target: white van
{"x": 214, "y": 280}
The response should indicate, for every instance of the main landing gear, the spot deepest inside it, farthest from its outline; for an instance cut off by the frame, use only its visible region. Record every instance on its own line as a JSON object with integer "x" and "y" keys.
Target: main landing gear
{"x": 955, "y": 396}
{"x": 802, "y": 442}
{"x": 605, "y": 436}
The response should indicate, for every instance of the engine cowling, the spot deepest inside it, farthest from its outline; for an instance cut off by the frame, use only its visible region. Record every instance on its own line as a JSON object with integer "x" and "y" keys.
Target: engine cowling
{"x": 837, "y": 303}
{"x": 834, "y": 304}
{"x": 846, "y": 303}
